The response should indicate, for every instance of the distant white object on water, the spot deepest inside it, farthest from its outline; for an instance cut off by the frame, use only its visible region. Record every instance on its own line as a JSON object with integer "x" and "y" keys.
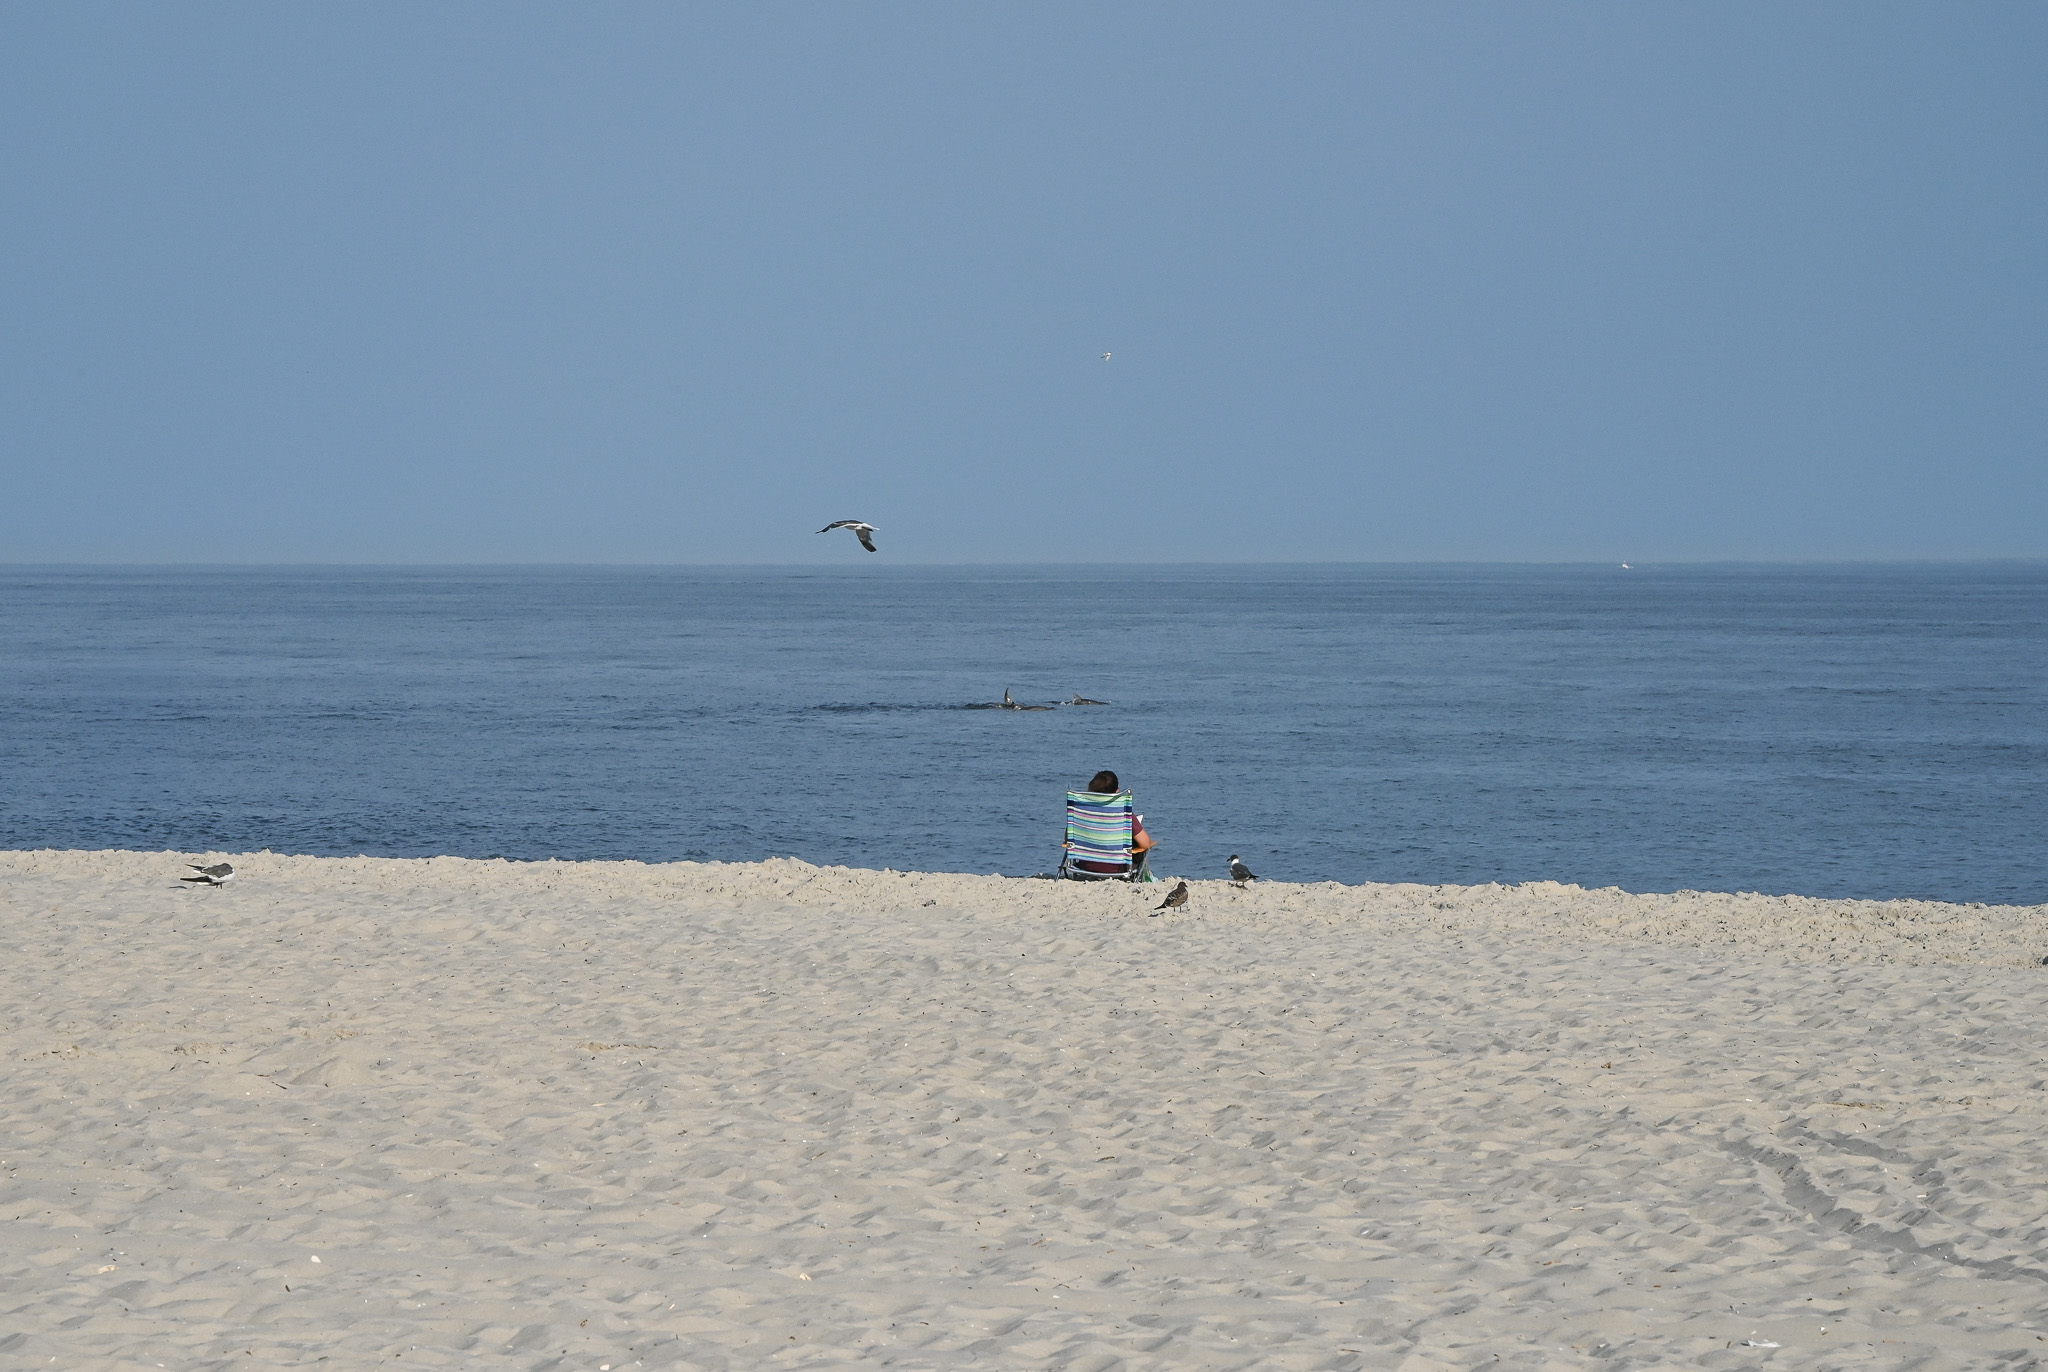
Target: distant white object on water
{"x": 1626, "y": 568}
{"x": 861, "y": 531}
{"x": 220, "y": 874}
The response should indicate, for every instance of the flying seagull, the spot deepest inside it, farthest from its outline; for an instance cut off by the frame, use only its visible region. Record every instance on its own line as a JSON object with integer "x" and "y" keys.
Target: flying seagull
{"x": 1105, "y": 357}
{"x": 860, "y": 531}
{"x": 1175, "y": 898}
{"x": 1240, "y": 873}
{"x": 220, "y": 874}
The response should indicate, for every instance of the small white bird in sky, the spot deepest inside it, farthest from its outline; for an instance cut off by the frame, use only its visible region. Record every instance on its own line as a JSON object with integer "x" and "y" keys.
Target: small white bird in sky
{"x": 861, "y": 531}
{"x": 220, "y": 874}
{"x": 1105, "y": 357}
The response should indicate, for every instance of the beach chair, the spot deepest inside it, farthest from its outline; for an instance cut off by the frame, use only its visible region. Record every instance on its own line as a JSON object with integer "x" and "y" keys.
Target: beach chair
{"x": 1099, "y": 832}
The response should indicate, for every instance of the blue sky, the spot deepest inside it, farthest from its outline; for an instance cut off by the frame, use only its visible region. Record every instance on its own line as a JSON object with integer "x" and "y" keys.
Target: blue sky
{"x": 655, "y": 283}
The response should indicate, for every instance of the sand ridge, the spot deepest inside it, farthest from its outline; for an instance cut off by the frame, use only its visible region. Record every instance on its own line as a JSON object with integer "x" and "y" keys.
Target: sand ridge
{"x": 744, "y": 1115}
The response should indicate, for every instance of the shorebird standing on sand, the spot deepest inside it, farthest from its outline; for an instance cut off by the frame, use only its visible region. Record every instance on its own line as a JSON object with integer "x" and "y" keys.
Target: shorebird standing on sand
{"x": 1175, "y": 898}
{"x": 1240, "y": 873}
{"x": 220, "y": 874}
{"x": 860, "y": 531}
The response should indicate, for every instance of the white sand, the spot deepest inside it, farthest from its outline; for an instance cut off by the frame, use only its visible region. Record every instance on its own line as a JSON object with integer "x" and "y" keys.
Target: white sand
{"x": 451, "y": 1113}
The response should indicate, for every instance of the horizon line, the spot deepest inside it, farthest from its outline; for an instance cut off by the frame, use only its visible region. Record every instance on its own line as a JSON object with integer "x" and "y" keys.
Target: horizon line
{"x": 2003, "y": 559}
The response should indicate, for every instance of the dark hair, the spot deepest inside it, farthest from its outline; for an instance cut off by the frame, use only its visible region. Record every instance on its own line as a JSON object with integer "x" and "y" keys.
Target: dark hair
{"x": 1104, "y": 784}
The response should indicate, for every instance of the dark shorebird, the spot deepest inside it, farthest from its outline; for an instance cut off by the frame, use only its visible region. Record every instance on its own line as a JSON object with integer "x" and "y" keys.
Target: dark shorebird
{"x": 1240, "y": 873}
{"x": 1175, "y": 898}
{"x": 220, "y": 874}
{"x": 861, "y": 531}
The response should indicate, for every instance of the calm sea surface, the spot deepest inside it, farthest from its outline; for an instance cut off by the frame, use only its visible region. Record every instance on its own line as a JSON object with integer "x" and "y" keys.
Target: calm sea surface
{"x": 1859, "y": 731}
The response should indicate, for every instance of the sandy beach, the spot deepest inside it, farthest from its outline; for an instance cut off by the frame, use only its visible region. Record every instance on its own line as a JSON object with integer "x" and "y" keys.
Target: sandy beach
{"x": 358, "y": 1112}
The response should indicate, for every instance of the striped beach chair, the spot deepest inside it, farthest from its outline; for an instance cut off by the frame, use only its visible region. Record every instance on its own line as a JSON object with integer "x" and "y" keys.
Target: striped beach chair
{"x": 1099, "y": 832}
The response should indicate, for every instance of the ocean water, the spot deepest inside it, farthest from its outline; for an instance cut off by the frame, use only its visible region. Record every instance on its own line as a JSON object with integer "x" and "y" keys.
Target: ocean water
{"x": 1847, "y": 731}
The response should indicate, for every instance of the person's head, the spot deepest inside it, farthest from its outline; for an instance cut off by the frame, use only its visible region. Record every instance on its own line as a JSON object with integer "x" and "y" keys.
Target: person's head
{"x": 1104, "y": 784}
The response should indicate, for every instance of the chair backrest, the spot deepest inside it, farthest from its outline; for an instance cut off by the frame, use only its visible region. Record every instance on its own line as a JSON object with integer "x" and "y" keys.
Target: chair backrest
{"x": 1099, "y": 827}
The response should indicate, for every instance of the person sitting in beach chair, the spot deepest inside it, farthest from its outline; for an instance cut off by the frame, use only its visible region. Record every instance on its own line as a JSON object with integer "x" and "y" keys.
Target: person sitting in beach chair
{"x": 1106, "y": 838}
